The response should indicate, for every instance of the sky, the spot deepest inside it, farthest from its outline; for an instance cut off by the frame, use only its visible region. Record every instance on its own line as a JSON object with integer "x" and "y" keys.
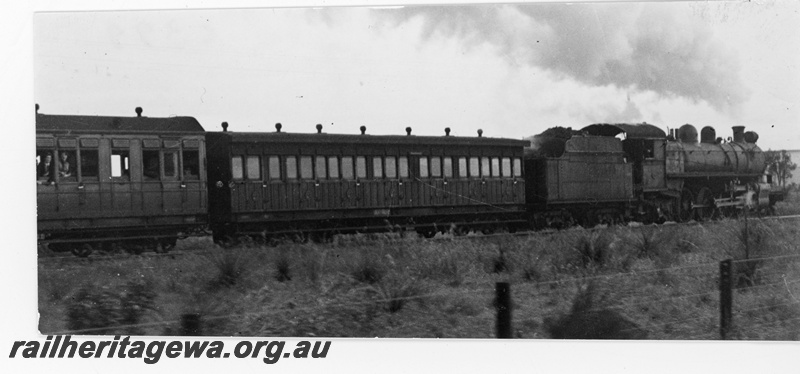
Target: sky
{"x": 512, "y": 70}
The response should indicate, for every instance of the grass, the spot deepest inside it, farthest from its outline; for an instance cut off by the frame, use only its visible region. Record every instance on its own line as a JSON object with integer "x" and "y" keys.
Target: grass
{"x": 791, "y": 203}
{"x": 661, "y": 280}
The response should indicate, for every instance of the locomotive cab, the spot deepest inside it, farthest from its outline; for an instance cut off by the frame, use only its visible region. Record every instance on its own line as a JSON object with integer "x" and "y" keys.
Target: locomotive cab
{"x": 644, "y": 148}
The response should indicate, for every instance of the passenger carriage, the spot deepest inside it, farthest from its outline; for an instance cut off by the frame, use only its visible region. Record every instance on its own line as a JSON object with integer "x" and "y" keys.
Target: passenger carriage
{"x": 135, "y": 182}
{"x": 313, "y": 185}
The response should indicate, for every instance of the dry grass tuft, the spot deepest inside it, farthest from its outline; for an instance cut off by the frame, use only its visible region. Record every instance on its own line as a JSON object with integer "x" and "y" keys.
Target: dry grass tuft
{"x": 588, "y": 319}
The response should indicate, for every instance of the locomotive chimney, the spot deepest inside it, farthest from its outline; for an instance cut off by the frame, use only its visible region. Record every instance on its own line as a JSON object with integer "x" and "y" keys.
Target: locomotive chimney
{"x": 37, "y": 108}
{"x": 708, "y": 135}
{"x": 480, "y": 133}
{"x": 738, "y": 134}
{"x": 319, "y": 128}
{"x": 278, "y": 127}
{"x": 363, "y": 129}
{"x": 446, "y": 131}
{"x": 138, "y": 111}
{"x": 224, "y": 127}
{"x": 408, "y": 131}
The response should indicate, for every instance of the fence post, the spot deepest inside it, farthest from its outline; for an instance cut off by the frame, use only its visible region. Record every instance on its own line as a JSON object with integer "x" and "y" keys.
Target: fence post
{"x": 190, "y": 324}
{"x": 503, "y": 305}
{"x": 725, "y": 297}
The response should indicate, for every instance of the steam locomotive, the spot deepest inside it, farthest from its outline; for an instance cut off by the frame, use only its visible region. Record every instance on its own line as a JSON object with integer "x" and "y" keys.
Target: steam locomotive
{"x": 142, "y": 183}
{"x": 608, "y": 173}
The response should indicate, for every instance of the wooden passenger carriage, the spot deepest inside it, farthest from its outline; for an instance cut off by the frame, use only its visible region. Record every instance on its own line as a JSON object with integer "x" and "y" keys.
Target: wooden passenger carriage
{"x": 132, "y": 181}
{"x": 279, "y": 183}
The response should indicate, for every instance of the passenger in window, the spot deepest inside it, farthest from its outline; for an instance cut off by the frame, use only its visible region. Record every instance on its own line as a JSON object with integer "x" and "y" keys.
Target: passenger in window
{"x": 44, "y": 170}
{"x": 64, "y": 167}
{"x": 188, "y": 173}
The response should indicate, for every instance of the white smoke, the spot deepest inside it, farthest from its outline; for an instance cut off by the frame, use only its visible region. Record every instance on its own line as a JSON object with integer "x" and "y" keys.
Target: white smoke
{"x": 634, "y": 47}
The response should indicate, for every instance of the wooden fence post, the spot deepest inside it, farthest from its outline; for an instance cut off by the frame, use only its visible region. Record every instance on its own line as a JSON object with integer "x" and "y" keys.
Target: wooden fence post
{"x": 503, "y": 305}
{"x": 725, "y": 297}
{"x": 191, "y": 324}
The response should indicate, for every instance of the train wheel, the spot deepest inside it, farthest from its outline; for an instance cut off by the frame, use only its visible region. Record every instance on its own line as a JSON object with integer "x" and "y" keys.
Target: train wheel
{"x": 685, "y": 209}
{"x": 300, "y": 237}
{"x": 320, "y": 237}
{"x": 460, "y": 230}
{"x": 82, "y": 250}
{"x": 134, "y": 248}
{"x": 706, "y": 202}
{"x": 165, "y": 245}
{"x": 427, "y": 232}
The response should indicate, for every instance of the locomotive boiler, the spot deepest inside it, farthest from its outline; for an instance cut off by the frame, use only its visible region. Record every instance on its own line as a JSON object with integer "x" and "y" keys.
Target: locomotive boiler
{"x": 711, "y": 156}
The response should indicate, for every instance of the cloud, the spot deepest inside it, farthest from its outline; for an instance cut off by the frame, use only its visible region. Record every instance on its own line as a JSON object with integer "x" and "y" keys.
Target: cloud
{"x": 633, "y": 47}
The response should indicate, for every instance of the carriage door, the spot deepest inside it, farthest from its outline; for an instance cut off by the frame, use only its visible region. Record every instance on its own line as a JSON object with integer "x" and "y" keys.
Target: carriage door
{"x": 120, "y": 173}
{"x": 170, "y": 182}
{"x": 88, "y": 161}
{"x": 194, "y": 196}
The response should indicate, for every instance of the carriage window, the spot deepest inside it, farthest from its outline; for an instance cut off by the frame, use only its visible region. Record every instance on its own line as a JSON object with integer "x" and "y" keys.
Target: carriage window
{"x": 474, "y": 167}
{"x": 333, "y": 167}
{"x": 462, "y": 167}
{"x": 150, "y": 165}
{"x": 506, "y": 167}
{"x": 291, "y": 167}
{"x": 448, "y": 167}
{"x": 517, "y": 167}
{"x": 170, "y": 164}
{"x": 66, "y": 166}
{"x": 391, "y": 167}
{"x": 484, "y": 166}
{"x": 320, "y": 168}
{"x": 274, "y": 168}
{"x": 423, "y": 167}
{"x": 402, "y": 166}
{"x": 89, "y": 163}
{"x": 361, "y": 167}
{"x": 347, "y": 168}
{"x": 191, "y": 165}
{"x": 253, "y": 167}
{"x": 237, "y": 167}
{"x": 436, "y": 167}
{"x": 45, "y": 165}
{"x": 306, "y": 170}
{"x": 120, "y": 163}
{"x": 377, "y": 168}
{"x": 495, "y": 167}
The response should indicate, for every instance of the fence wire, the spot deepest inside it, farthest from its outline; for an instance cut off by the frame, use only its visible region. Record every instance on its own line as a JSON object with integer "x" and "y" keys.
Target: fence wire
{"x": 630, "y": 299}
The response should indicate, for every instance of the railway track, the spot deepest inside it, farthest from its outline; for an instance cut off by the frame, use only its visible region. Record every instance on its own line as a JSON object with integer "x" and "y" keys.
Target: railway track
{"x": 68, "y": 258}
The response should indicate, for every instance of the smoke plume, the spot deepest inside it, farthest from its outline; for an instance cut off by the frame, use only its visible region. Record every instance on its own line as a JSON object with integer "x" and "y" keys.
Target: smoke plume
{"x": 635, "y": 47}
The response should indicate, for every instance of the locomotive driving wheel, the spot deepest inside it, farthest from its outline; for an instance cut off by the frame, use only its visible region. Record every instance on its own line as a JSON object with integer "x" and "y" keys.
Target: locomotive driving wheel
{"x": 685, "y": 211}
{"x": 705, "y": 204}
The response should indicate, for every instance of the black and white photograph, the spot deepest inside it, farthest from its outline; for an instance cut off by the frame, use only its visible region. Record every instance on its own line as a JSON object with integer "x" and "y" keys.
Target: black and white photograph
{"x": 541, "y": 173}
